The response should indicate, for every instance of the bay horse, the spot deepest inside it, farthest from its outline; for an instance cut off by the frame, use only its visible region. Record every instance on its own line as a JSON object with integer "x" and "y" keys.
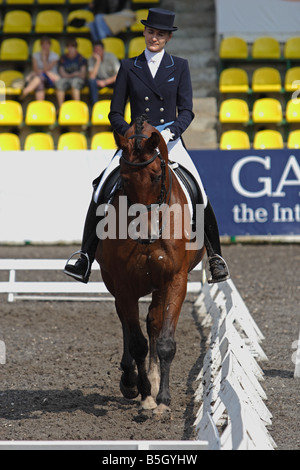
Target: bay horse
{"x": 133, "y": 268}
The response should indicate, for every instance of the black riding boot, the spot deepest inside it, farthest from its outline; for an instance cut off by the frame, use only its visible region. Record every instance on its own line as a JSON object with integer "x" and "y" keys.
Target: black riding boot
{"x": 217, "y": 265}
{"x": 81, "y": 270}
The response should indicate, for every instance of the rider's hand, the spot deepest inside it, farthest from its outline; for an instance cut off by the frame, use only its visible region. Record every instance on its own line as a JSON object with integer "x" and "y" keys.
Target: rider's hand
{"x": 167, "y": 135}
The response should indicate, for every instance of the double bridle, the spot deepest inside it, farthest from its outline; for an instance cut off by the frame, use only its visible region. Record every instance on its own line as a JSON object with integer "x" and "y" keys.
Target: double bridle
{"x": 163, "y": 191}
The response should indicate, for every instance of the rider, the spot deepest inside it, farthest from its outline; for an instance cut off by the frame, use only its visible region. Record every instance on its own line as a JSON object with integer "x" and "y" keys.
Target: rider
{"x": 159, "y": 85}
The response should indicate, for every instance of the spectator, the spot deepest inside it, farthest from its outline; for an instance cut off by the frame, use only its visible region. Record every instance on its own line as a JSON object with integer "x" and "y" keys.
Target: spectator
{"x": 103, "y": 68}
{"x": 45, "y": 71}
{"x": 72, "y": 70}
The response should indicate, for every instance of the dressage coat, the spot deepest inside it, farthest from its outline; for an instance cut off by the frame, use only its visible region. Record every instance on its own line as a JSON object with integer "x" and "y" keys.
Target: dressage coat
{"x": 166, "y": 98}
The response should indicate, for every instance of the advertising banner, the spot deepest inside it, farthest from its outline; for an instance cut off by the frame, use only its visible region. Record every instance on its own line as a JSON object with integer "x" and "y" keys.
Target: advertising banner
{"x": 252, "y": 192}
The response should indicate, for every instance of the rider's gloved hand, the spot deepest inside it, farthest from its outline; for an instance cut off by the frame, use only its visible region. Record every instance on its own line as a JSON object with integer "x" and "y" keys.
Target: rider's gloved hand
{"x": 167, "y": 135}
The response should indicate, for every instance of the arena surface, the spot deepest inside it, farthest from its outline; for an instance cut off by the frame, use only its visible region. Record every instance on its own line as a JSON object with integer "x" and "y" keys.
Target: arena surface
{"x": 61, "y": 377}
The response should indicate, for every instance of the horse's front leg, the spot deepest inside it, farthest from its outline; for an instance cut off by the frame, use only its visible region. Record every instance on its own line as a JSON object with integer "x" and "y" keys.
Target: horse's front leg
{"x": 166, "y": 346}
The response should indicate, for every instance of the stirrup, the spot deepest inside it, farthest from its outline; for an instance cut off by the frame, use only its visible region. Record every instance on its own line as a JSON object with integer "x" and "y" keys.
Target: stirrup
{"x": 214, "y": 281}
{"x": 79, "y": 252}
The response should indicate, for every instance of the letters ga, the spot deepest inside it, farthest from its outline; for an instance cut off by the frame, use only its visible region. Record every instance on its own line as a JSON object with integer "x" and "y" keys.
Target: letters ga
{"x": 291, "y": 167}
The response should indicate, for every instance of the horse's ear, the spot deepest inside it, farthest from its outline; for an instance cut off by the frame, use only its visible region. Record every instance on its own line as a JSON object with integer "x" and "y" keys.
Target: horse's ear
{"x": 153, "y": 140}
{"x": 119, "y": 139}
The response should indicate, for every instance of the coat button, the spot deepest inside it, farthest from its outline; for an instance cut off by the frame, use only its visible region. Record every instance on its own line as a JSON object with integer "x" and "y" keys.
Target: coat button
{"x": 146, "y": 98}
{"x": 162, "y": 109}
{"x": 161, "y": 98}
{"x": 162, "y": 121}
{"x": 147, "y": 110}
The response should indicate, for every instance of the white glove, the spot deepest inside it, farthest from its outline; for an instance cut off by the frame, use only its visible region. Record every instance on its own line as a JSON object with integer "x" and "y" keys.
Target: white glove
{"x": 167, "y": 135}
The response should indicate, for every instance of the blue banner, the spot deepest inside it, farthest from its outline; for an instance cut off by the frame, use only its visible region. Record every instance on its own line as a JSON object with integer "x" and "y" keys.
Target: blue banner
{"x": 253, "y": 192}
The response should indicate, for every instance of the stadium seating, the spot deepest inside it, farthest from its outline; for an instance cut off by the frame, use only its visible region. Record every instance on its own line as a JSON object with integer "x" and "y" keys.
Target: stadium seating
{"x": 116, "y": 46}
{"x": 55, "y": 46}
{"x": 293, "y": 141}
{"x": 39, "y": 141}
{"x": 292, "y": 79}
{"x": 11, "y": 113}
{"x": 292, "y": 48}
{"x": 14, "y": 49}
{"x": 51, "y": 2}
{"x": 72, "y": 141}
{"x": 233, "y": 80}
{"x": 87, "y": 15}
{"x": 234, "y": 140}
{"x": 292, "y": 112}
{"x": 9, "y": 77}
{"x": 49, "y": 21}
{"x": 266, "y": 79}
{"x": 73, "y": 112}
{"x": 103, "y": 141}
{"x": 138, "y": 27}
{"x": 9, "y": 141}
{"x": 136, "y": 46}
{"x": 234, "y": 111}
{"x": 100, "y": 113}
{"x": 266, "y": 48}
{"x": 233, "y": 48}
{"x": 267, "y": 110}
{"x": 19, "y": 2}
{"x": 40, "y": 113}
{"x": 85, "y": 47}
{"x": 268, "y": 139}
{"x": 17, "y": 22}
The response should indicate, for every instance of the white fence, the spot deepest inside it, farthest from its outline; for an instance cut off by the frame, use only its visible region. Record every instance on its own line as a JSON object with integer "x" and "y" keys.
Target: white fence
{"x": 232, "y": 415}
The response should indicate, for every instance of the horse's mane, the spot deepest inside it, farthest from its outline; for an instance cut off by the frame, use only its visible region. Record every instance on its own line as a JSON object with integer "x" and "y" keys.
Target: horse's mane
{"x": 139, "y": 127}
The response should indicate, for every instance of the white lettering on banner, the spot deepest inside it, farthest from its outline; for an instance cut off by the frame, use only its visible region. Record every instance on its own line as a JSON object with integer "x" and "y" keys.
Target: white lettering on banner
{"x": 243, "y": 214}
{"x": 292, "y": 165}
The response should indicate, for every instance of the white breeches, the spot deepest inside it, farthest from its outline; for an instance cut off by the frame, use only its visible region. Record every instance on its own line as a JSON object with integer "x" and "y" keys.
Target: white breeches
{"x": 177, "y": 153}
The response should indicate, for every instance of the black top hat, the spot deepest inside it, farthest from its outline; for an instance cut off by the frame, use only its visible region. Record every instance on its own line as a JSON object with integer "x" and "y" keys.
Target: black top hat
{"x": 160, "y": 19}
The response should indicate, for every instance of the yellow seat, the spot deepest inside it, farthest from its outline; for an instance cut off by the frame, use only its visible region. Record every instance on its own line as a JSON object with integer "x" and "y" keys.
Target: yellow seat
{"x": 74, "y": 113}
{"x": 20, "y": 2}
{"x": 266, "y": 79}
{"x": 85, "y": 47}
{"x": 50, "y": 2}
{"x": 138, "y": 27}
{"x": 115, "y": 46}
{"x": 15, "y": 49}
{"x": 40, "y": 113}
{"x": 100, "y": 113}
{"x": 72, "y": 141}
{"x": 7, "y": 77}
{"x": 292, "y": 48}
{"x": 9, "y": 141}
{"x": 233, "y": 80}
{"x": 39, "y": 141}
{"x": 266, "y": 48}
{"x": 136, "y": 46}
{"x": 292, "y": 112}
{"x": 17, "y": 21}
{"x": 143, "y": 1}
{"x": 267, "y": 110}
{"x": 234, "y": 140}
{"x": 127, "y": 113}
{"x": 292, "y": 79}
{"x": 49, "y": 21}
{"x": 268, "y": 139}
{"x": 234, "y": 111}
{"x": 293, "y": 141}
{"x": 73, "y": 2}
{"x": 104, "y": 141}
{"x": 55, "y": 46}
{"x": 11, "y": 113}
{"x": 84, "y": 14}
{"x": 233, "y": 48}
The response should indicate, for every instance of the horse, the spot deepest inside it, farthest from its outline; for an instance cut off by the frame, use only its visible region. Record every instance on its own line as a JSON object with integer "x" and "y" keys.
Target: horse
{"x": 157, "y": 265}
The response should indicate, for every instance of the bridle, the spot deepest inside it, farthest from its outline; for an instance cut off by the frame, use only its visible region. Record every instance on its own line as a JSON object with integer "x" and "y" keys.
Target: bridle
{"x": 163, "y": 191}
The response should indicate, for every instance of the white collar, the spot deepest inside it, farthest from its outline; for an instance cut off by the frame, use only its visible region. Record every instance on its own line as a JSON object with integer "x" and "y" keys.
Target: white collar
{"x": 157, "y": 56}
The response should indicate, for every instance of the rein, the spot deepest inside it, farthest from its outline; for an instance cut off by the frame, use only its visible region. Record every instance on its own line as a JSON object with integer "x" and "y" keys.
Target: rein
{"x": 163, "y": 192}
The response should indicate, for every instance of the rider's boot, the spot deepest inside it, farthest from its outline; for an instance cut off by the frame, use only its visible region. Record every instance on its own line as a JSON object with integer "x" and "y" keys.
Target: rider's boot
{"x": 217, "y": 265}
{"x": 81, "y": 270}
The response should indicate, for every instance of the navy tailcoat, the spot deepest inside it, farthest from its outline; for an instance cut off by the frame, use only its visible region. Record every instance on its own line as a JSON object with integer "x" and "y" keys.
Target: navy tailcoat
{"x": 167, "y": 97}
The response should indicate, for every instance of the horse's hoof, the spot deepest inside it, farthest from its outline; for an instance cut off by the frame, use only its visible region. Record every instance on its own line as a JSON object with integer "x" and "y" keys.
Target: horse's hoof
{"x": 162, "y": 411}
{"x": 129, "y": 392}
{"x": 148, "y": 404}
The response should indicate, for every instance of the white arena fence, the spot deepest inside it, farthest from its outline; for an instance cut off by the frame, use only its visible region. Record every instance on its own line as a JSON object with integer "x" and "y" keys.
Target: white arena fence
{"x": 232, "y": 414}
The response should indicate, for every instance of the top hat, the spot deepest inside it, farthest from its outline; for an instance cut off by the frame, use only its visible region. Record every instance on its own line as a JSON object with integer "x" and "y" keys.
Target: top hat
{"x": 160, "y": 19}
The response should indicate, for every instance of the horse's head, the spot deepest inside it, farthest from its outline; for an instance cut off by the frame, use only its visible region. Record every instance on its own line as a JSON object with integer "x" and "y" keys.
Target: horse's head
{"x": 143, "y": 162}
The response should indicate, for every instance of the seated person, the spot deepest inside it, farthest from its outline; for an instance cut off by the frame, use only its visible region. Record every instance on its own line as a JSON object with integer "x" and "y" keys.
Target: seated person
{"x": 102, "y": 69}
{"x": 44, "y": 73}
{"x": 72, "y": 68}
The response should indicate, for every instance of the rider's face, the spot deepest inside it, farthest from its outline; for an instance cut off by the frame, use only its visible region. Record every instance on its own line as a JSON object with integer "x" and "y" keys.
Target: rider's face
{"x": 156, "y": 39}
